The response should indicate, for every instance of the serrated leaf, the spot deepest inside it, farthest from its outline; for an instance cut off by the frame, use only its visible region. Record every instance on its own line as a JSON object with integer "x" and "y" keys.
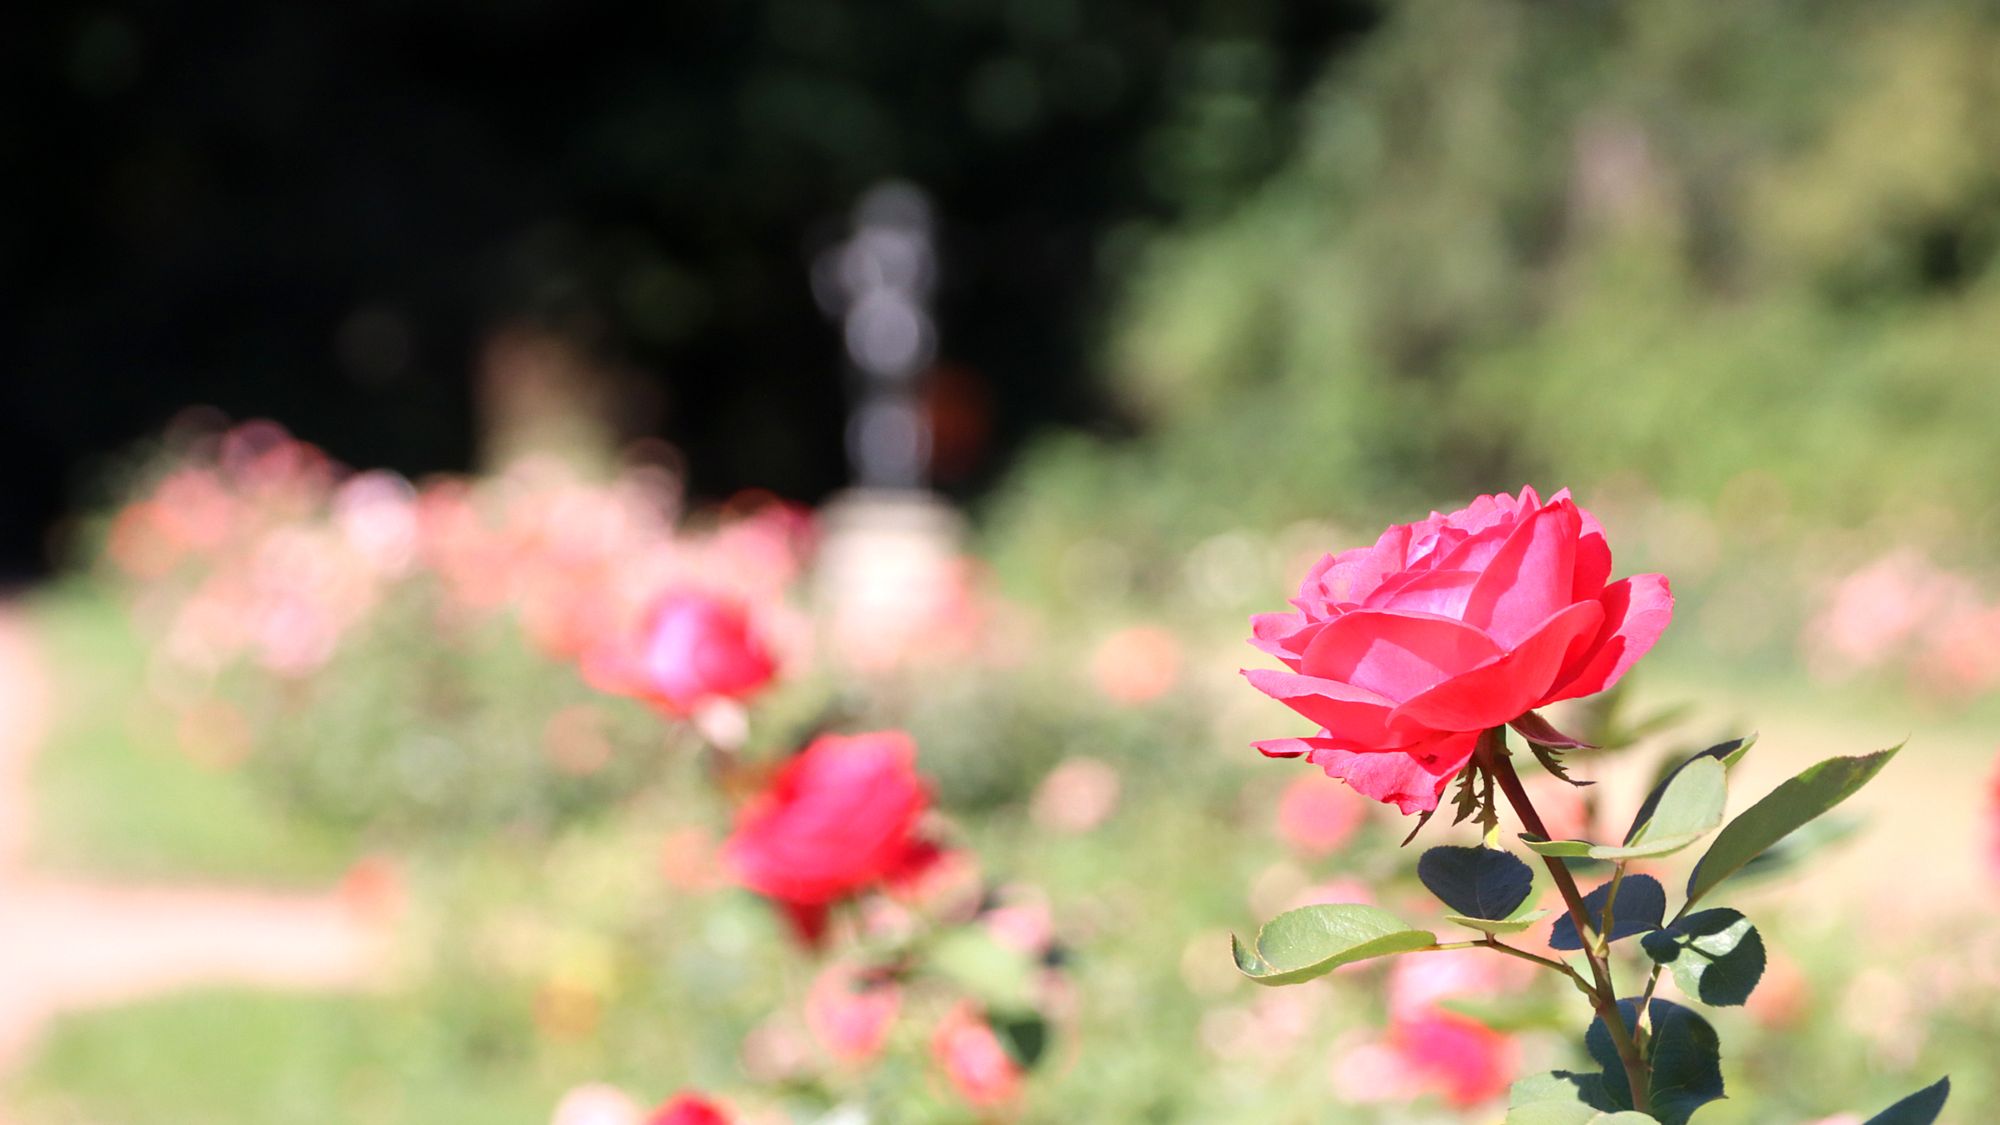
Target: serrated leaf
{"x": 1551, "y": 760}
{"x": 1682, "y": 1050}
{"x": 1311, "y": 941}
{"x": 1717, "y": 956}
{"x": 1781, "y": 812}
{"x": 1920, "y": 1108}
{"x": 1540, "y": 732}
{"x": 1641, "y": 906}
{"x": 1482, "y": 883}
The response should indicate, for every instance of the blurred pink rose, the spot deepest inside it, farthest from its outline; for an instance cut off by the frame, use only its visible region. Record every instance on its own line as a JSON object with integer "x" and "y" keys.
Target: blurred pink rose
{"x": 1457, "y": 1056}
{"x": 851, "y": 1015}
{"x": 974, "y": 1060}
{"x": 1076, "y": 796}
{"x": 597, "y": 1104}
{"x": 693, "y": 648}
{"x": 1317, "y": 815}
{"x": 1136, "y": 665}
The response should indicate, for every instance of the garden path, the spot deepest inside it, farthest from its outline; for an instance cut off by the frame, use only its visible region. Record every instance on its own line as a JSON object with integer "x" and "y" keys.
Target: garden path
{"x": 71, "y": 944}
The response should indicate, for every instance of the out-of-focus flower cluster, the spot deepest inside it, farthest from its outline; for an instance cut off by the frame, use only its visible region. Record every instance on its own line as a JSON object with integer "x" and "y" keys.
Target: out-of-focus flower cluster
{"x": 1904, "y": 611}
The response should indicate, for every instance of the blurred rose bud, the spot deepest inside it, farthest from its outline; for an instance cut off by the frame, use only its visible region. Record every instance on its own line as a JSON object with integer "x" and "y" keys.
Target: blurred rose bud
{"x": 1076, "y": 796}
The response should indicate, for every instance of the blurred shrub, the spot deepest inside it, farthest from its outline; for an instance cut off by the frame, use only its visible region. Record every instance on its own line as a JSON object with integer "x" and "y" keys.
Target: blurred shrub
{"x": 1738, "y": 247}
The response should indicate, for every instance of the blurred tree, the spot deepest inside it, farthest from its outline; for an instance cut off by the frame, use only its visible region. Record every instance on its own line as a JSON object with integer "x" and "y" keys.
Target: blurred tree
{"x": 318, "y": 212}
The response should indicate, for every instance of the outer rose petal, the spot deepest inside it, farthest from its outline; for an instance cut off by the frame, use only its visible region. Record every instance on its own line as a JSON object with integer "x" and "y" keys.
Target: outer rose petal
{"x": 1283, "y": 635}
{"x": 1395, "y": 655}
{"x": 1593, "y": 560}
{"x": 1353, "y": 713}
{"x": 1636, "y": 612}
{"x": 1398, "y": 776}
{"x": 1502, "y": 689}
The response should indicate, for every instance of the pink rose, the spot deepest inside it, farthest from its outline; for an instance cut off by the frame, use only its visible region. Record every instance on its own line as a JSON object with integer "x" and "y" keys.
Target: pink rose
{"x": 1456, "y": 1055}
{"x": 974, "y": 1059}
{"x": 1317, "y": 817}
{"x": 693, "y": 648}
{"x": 837, "y": 819}
{"x": 688, "y": 1109}
{"x": 1403, "y": 652}
{"x": 852, "y": 1016}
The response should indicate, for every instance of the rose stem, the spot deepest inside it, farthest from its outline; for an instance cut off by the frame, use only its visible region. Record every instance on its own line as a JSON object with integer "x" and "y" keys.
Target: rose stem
{"x": 1491, "y": 754}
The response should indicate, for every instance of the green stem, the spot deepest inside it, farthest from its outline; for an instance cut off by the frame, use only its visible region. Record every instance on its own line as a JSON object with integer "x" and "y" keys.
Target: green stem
{"x": 1491, "y": 755}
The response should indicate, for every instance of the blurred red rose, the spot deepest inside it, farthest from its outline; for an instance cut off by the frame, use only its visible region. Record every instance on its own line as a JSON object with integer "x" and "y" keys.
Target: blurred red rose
{"x": 837, "y": 819}
{"x": 974, "y": 1059}
{"x": 688, "y": 1109}
{"x": 1403, "y": 652}
{"x": 1456, "y": 1055}
{"x": 693, "y": 648}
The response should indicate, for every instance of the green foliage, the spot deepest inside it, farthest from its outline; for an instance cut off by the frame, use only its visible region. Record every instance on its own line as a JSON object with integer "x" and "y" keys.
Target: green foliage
{"x": 1641, "y": 905}
{"x": 1682, "y": 1050}
{"x": 1686, "y": 807}
{"x": 1717, "y": 956}
{"x": 1780, "y": 813}
{"x": 1312, "y": 941}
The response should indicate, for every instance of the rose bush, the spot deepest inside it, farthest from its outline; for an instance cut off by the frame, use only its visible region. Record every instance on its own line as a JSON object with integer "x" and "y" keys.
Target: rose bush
{"x": 837, "y": 819}
{"x": 1404, "y": 651}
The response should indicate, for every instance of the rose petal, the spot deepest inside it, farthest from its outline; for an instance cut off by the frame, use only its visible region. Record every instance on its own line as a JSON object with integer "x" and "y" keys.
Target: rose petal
{"x": 1441, "y": 593}
{"x": 1636, "y": 612}
{"x": 1354, "y": 713}
{"x": 1505, "y": 687}
{"x": 1399, "y": 777}
{"x": 1529, "y": 578}
{"x": 1593, "y": 560}
{"x": 1396, "y": 655}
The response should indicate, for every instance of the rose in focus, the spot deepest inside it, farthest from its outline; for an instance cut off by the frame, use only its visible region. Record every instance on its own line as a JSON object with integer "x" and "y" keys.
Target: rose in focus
{"x": 839, "y": 818}
{"x": 1403, "y": 652}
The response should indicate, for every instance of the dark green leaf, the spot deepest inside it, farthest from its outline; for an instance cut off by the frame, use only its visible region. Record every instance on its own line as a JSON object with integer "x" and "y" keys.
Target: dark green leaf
{"x": 1313, "y": 940}
{"x": 1716, "y": 956}
{"x": 1641, "y": 905}
{"x": 1025, "y": 1036}
{"x": 1780, "y": 813}
{"x": 1920, "y": 1108}
{"x": 1482, "y": 883}
{"x": 1682, "y": 1050}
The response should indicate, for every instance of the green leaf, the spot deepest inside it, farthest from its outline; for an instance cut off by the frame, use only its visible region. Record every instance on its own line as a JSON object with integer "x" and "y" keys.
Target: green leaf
{"x": 1024, "y": 1036}
{"x": 1717, "y": 956}
{"x": 1308, "y": 942}
{"x": 1726, "y": 754}
{"x": 1641, "y": 906}
{"x": 1563, "y": 1098}
{"x": 1780, "y": 813}
{"x": 1482, "y": 883}
{"x": 1519, "y": 922}
{"x": 1684, "y": 1054}
{"x": 1686, "y": 807}
{"x": 1920, "y": 1108}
